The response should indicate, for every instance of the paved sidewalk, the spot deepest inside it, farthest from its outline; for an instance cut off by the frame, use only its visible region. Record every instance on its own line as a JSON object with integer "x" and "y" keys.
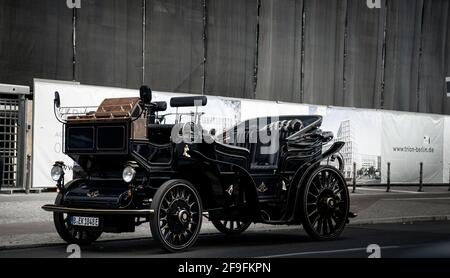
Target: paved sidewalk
{"x": 24, "y": 223}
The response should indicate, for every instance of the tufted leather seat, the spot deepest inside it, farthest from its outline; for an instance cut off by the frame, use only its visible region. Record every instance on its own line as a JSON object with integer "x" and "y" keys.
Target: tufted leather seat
{"x": 285, "y": 129}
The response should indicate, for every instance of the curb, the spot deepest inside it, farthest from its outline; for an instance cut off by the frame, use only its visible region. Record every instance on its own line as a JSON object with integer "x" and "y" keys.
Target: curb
{"x": 406, "y": 219}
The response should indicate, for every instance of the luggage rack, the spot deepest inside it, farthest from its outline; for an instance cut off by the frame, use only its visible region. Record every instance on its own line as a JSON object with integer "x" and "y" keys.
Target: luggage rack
{"x": 74, "y": 112}
{"x": 110, "y": 109}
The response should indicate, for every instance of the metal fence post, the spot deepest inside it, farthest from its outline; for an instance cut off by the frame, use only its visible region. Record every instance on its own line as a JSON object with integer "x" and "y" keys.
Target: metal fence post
{"x": 388, "y": 189}
{"x": 28, "y": 177}
{"x": 354, "y": 177}
{"x": 2, "y": 165}
{"x": 421, "y": 178}
{"x": 21, "y": 143}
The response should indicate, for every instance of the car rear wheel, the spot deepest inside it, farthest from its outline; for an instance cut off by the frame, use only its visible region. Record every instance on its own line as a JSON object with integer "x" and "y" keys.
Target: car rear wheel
{"x": 231, "y": 227}
{"x": 72, "y": 234}
{"x": 177, "y": 215}
{"x": 325, "y": 204}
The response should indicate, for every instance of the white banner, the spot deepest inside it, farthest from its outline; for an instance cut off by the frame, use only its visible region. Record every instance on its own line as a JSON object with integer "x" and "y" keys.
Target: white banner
{"x": 258, "y": 108}
{"x": 372, "y": 137}
{"x": 360, "y": 130}
{"x": 409, "y": 139}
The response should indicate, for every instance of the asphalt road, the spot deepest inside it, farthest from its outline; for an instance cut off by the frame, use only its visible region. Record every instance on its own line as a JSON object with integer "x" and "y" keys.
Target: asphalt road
{"x": 419, "y": 240}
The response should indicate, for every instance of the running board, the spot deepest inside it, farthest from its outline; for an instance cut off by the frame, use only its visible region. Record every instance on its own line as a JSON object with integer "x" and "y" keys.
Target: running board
{"x": 88, "y": 211}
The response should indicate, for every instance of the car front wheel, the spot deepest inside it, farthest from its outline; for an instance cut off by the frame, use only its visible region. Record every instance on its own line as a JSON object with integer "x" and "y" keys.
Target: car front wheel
{"x": 177, "y": 215}
{"x": 72, "y": 234}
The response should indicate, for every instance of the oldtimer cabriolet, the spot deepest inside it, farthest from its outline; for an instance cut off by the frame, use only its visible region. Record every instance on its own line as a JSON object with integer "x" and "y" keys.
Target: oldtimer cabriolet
{"x": 138, "y": 167}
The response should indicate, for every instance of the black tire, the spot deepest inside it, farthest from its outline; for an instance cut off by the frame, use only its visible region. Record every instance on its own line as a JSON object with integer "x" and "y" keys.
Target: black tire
{"x": 72, "y": 234}
{"x": 231, "y": 227}
{"x": 177, "y": 218}
{"x": 325, "y": 204}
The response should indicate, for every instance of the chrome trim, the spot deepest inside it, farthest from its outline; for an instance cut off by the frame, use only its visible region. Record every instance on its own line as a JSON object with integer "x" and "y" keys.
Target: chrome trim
{"x": 55, "y": 208}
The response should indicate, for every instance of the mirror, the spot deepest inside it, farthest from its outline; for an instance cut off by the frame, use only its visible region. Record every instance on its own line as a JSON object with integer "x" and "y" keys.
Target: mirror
{"x": 57, "y": 100}
{"x": 146, "y": 94}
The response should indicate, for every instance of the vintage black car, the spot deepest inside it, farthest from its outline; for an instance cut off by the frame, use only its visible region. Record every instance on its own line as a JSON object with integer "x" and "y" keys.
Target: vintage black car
{"x": 137, "y": 168}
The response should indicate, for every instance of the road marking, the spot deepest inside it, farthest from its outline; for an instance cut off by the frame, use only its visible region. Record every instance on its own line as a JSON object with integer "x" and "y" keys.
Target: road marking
{"x": 326, "y": 252}
{"x": 384, "y": 190}
{"x": 396, "y": 220}
{"x": 416, "y": 199}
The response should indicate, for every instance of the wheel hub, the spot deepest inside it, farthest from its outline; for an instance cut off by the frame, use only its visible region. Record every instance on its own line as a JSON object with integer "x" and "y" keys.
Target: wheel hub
{"x": 331, "y": 203}
{"x": 327, "y": 202}
{"x": 184, "y": 216}
{"x": 179, "y": 216}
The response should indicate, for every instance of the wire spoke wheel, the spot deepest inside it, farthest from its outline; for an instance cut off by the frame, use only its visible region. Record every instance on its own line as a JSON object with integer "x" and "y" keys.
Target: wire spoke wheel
{"x": 177, "y": 216}
{"x": 326, "y": 204}
{"x": 231, "y": 227}
{"x": 70, "y": 233}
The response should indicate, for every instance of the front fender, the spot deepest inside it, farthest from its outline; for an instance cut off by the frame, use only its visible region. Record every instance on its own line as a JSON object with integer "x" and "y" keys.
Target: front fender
{"x": 72, "y": 183}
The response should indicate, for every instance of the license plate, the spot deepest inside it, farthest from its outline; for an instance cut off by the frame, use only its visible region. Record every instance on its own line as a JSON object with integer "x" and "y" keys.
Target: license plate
{"x": 85, "y": 221}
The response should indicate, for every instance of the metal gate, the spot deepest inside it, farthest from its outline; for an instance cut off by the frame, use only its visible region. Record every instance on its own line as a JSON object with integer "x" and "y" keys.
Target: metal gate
{"x": 9, "y": 116}
{"x": 12, "y": 136}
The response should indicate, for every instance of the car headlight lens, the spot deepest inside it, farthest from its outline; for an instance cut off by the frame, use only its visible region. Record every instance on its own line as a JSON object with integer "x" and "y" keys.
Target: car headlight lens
{"x": 128, "y": 174}
{"x": 56, "y": 173}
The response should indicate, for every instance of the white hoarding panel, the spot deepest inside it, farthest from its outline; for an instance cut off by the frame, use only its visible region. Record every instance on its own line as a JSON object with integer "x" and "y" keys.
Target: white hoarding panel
{"x": 446, "y": 163}
{"x": 257, "y": 108}
{"x": 47, "y": 136}
{"x": 372, "y": 138}
{"x": 360, "y": 130}
{"x": 408, "y": 140}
